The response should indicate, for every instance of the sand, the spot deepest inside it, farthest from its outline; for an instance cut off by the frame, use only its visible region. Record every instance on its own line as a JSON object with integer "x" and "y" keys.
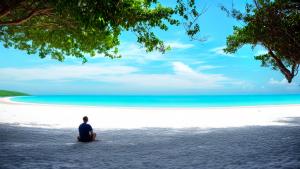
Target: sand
{"x": 38, "y": 136}
{"x": 63, "y": 116}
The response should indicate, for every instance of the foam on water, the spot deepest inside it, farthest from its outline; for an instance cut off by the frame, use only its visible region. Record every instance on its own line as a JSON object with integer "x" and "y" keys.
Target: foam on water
{"x": 165, "y": 101}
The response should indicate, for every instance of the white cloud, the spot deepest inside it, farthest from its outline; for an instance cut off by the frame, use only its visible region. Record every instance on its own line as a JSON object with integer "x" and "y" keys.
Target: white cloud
{"x": 63, "y": 72}
{"x": 138, "y": 53}
{"x": 197, "y": 78}
{"x": 272, "y": 81}
{"x": 207, "y": 67}
{"x": 243, "y": 84}
{"x": 219, "y": 51}
{"x": 179, "y": 45}
{"x": 196, "y": 62}
{"x": 283, "y": 83}
{"x": 181, "y": 68}
{"x": 181, "y": 77}
{"x": 130, "y": 51}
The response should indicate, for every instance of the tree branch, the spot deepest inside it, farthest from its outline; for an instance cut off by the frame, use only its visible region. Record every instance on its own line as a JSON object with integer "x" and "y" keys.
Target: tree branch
{"x": 9, "y": 7}
{"x": 256, "y": 4}
{"x": 287, "y": 73}
{"x": 296, "y": 70}
{"x": 26, "y": 18}
{"x": 4, "y": 12}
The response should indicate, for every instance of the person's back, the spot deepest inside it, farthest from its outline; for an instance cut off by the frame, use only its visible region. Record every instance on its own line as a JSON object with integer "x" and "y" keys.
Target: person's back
{"x": 86, "y": 131}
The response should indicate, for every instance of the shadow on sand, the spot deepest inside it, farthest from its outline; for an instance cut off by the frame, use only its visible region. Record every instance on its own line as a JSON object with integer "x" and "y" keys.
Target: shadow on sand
{"x": 243, "y": 147}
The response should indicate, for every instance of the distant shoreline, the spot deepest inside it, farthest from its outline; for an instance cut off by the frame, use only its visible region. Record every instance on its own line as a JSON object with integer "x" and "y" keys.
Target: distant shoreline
{"x": 8, "y": 93}
{"x": 8, "y": 100}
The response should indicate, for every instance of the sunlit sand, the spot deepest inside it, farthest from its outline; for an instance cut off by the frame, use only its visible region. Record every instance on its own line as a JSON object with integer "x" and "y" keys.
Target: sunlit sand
{"x": 64, "y": 116}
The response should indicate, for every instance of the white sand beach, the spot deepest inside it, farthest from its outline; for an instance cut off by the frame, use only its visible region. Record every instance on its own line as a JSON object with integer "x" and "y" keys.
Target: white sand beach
{"x": 65, "y": 116}
{"x": 147, "y": 138}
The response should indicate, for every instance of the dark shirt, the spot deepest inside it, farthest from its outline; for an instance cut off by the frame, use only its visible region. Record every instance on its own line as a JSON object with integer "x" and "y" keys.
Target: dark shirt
{"x": 84, "y": 132}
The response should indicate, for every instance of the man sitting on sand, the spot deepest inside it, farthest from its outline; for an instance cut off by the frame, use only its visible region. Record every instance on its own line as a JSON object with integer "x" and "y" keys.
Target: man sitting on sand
{"x": 86, "y": 131}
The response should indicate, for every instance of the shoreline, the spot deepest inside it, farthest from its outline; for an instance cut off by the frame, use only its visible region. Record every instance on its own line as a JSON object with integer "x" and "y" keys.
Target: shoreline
{"x": 69, "y": 116}
{"x": 8, "y": 100}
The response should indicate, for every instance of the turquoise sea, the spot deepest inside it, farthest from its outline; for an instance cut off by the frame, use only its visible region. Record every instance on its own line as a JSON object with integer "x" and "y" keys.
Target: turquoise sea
{"x": 164, "y": 101}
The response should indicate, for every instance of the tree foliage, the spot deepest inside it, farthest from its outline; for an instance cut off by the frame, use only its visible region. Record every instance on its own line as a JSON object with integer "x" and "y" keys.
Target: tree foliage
{"x": 79, "y": 28}
{"x": 275, "y": 25}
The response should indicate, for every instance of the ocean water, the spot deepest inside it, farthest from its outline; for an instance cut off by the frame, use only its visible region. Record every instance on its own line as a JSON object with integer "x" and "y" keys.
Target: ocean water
{"x": 164, "y": 101}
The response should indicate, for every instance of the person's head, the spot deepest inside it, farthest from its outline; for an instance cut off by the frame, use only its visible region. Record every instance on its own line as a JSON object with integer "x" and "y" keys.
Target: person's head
{"x": 85, "y": 119}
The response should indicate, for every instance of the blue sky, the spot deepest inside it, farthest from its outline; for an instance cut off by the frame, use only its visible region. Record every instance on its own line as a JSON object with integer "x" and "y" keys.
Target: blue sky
{"x": 191, "y": 67}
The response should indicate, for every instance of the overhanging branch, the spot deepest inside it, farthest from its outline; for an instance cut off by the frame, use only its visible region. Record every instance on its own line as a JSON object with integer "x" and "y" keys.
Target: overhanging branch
{"x": 8, "y": 7}
{"x": 285, "y": 71}
{"x": 4, "y": 12}
{"x": 26, "y": 18}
